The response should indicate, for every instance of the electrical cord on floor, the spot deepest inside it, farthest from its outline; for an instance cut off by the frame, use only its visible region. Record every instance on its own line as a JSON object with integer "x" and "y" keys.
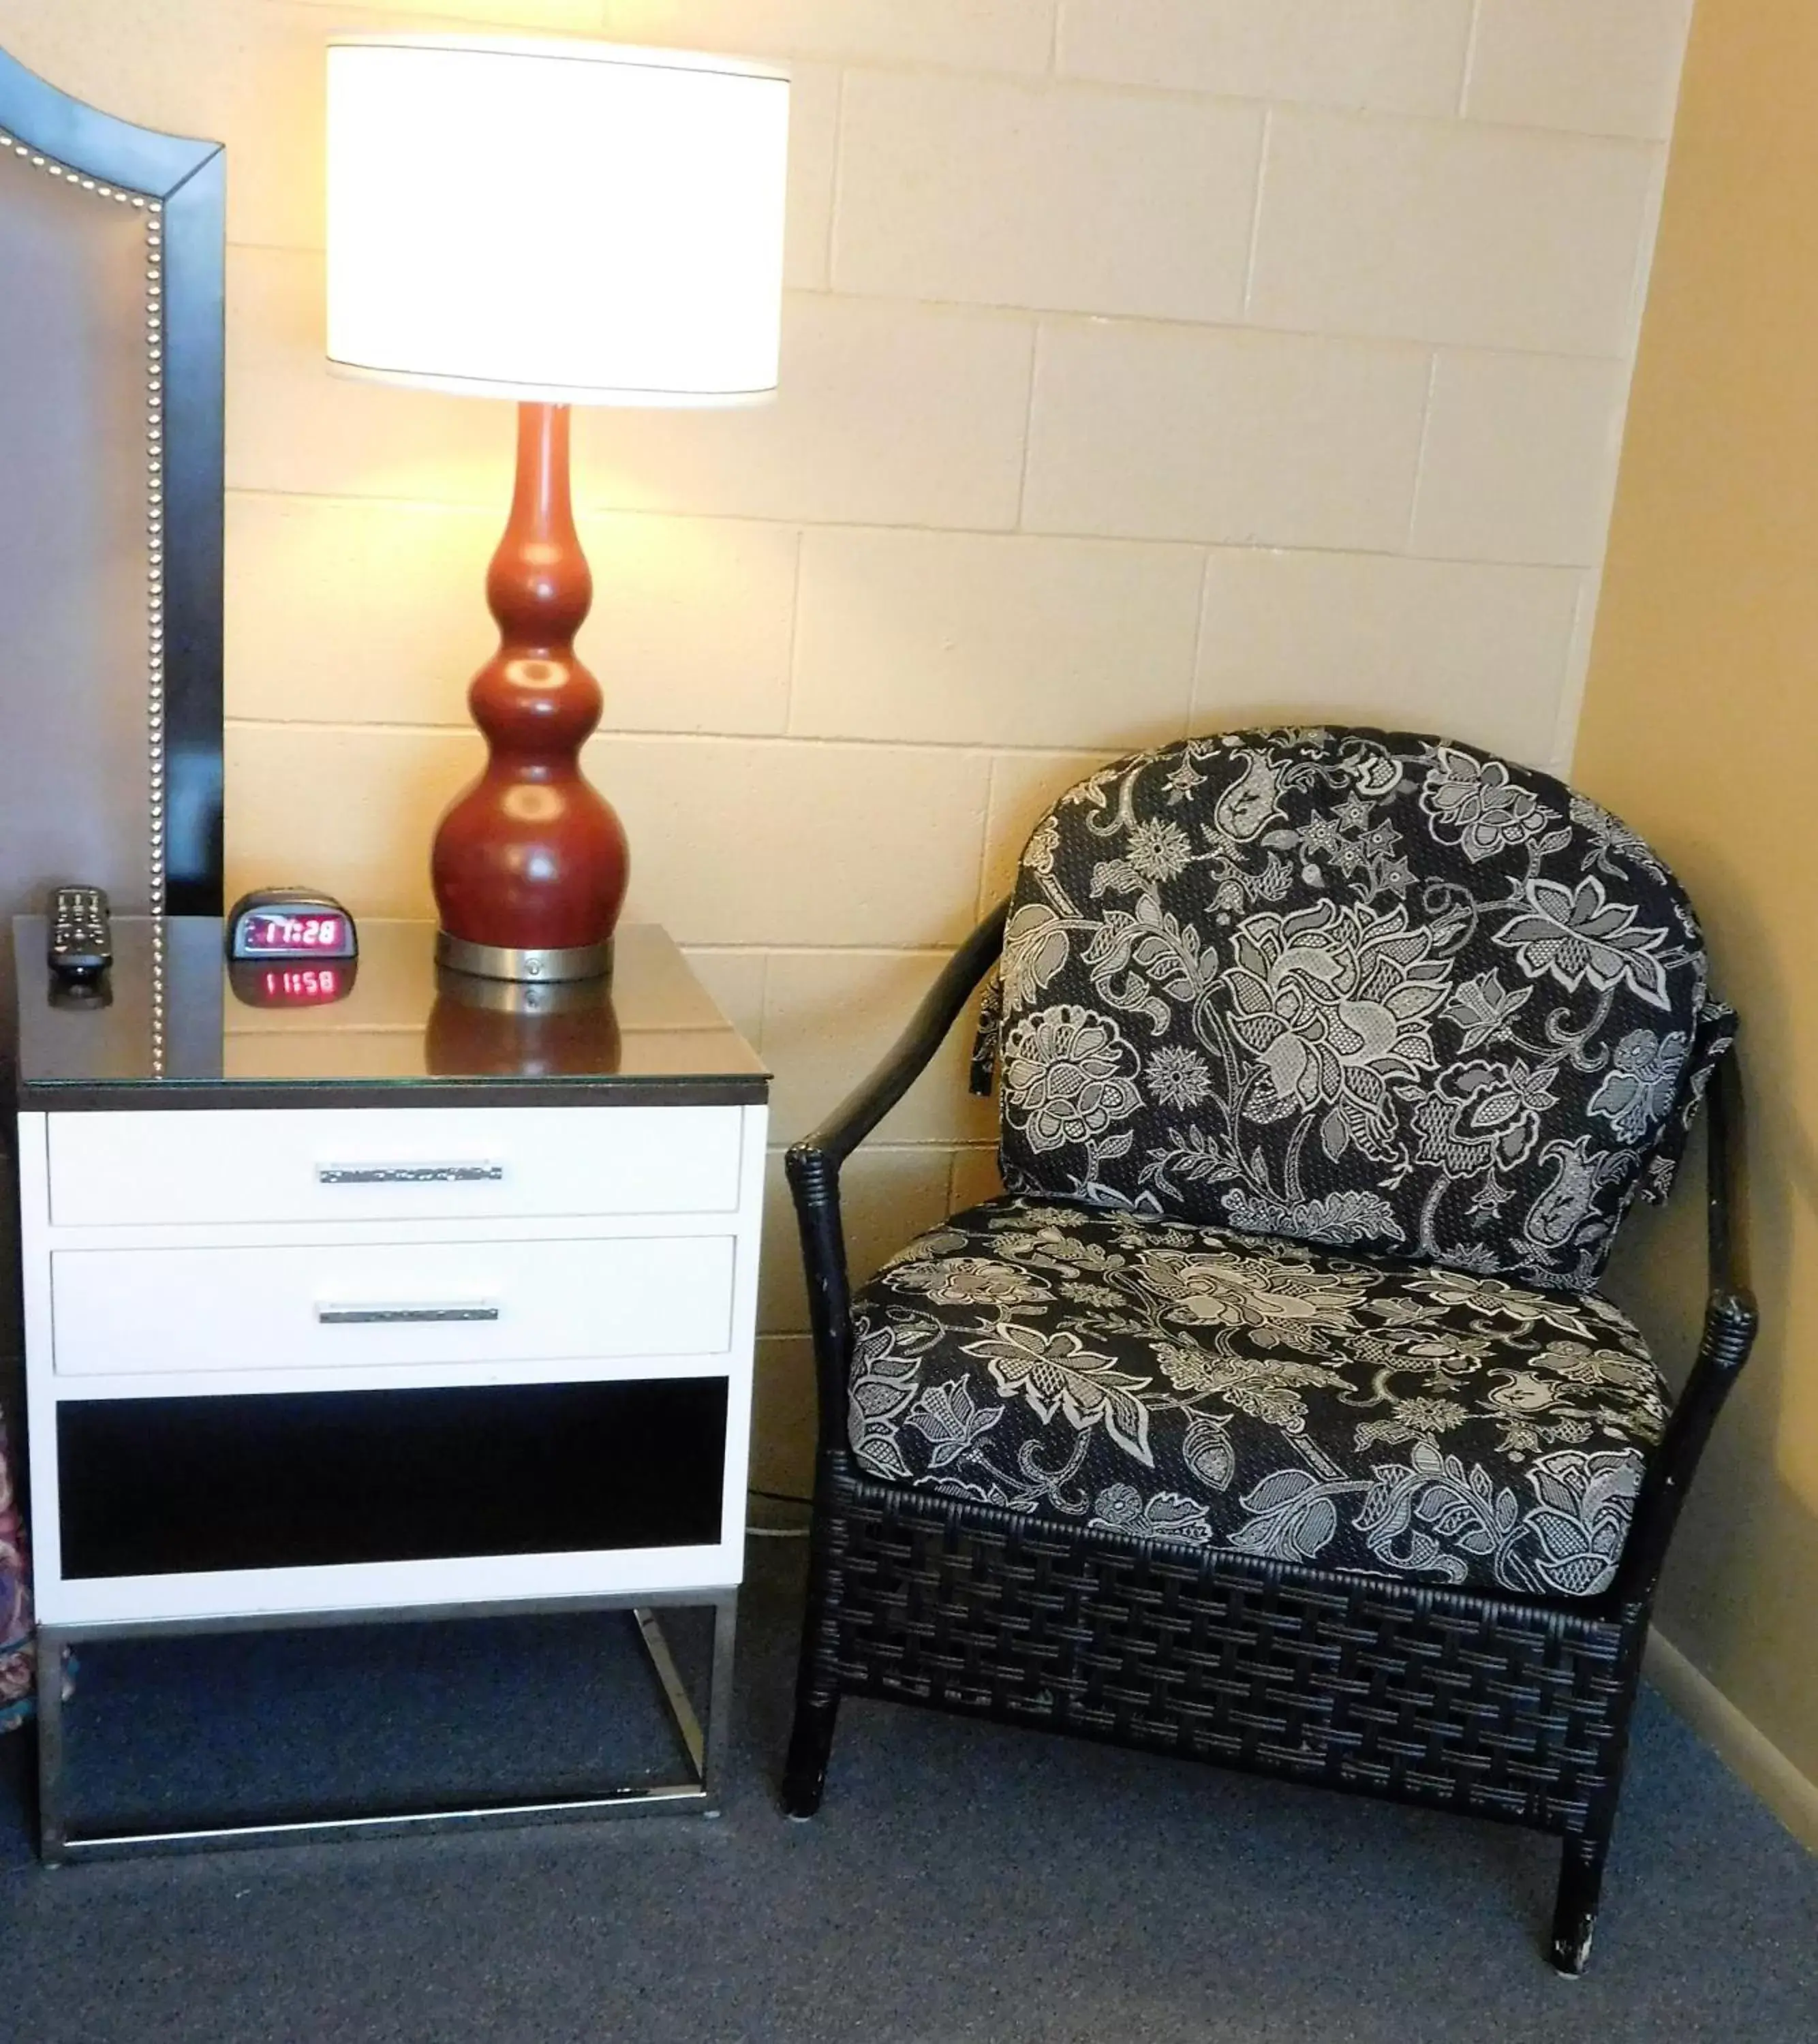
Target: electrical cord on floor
{"x": 778, "y": 1532}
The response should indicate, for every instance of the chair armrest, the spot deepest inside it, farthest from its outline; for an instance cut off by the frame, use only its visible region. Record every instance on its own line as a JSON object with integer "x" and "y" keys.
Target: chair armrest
{"x": 1730, "y": 1319}
{"x": 1726, "y": 1261}
{"x": 814, "y": 1164}
{"x": 861, "y": 1111}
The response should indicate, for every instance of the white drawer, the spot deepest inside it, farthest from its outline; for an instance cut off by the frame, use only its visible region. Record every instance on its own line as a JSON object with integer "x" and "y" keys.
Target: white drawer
{"x": 389, "y": 1164}
{"x": 125, "y": 1312}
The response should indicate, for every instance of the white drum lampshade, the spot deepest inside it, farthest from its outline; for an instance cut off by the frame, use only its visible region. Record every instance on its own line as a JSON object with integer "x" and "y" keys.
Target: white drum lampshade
{"x": 568, "y": 222}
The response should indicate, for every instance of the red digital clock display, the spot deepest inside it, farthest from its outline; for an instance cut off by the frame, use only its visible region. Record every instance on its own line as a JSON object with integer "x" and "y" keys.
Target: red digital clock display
{"x": 301, "y": 985}
{"x": 276, "y": 933}
{"x": 259, "y": 984}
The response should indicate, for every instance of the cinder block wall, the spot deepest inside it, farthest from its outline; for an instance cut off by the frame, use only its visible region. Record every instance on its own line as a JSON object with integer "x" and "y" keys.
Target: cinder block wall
{"x": 1149, "y": 365}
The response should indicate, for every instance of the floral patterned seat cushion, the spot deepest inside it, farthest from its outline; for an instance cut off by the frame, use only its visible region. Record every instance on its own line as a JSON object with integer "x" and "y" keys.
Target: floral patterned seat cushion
{"x": 1217, "y": 1390}
{"x": 1362, "y": 988}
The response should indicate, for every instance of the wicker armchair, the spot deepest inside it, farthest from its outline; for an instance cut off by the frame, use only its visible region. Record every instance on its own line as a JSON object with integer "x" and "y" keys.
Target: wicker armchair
{"x": 1271, "y": 1417}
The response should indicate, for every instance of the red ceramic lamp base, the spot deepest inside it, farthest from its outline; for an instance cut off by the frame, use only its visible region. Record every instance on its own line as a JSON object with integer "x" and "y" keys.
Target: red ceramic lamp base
{"x": 530, "y": 863}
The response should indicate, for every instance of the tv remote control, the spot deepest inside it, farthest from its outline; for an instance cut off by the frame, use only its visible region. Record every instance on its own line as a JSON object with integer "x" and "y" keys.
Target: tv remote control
{"x": 81, "y": 941}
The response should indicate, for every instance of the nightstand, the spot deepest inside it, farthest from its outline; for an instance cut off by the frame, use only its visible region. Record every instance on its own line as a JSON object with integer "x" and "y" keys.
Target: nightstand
{"x": 434, "y": 1299}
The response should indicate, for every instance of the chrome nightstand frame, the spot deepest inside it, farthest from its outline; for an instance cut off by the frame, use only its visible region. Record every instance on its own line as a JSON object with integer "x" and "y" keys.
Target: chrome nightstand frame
{"x": 704, "y": 1748}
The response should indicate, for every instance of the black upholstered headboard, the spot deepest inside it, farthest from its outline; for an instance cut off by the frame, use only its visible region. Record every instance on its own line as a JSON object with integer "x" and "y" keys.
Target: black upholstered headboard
{"x": 111, "y": 260}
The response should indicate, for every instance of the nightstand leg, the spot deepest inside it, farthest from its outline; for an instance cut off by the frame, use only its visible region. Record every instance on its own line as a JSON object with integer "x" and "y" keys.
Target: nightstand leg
{"x": 51, "y": 1822}
{"x": 674, "y": 1689}
{"x": 720, "y": 1698}
{"x": 706, "y": 1750}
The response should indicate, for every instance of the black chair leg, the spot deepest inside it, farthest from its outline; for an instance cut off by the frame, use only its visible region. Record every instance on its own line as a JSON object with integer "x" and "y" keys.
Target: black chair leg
{"x": 1575, "y": 1914}
{"x": 810, "y": 1744}
{"x": 817, "y": 1686}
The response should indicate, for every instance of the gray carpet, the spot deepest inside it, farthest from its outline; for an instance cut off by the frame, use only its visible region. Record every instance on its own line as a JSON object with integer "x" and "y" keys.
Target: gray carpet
{"x": 962, "y": 1882}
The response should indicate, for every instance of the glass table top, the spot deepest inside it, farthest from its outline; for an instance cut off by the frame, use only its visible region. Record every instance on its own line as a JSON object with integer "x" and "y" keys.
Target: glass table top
{"x": 174, "y": 1023}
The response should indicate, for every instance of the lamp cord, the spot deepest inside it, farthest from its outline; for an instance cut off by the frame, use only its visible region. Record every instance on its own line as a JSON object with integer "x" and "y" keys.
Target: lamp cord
{"x": 778, "y": 1532}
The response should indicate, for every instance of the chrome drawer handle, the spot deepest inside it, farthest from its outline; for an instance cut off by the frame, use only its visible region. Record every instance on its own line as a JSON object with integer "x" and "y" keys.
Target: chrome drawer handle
{"x": 409, "y": 1174}
{"x": 392, "y": 1316}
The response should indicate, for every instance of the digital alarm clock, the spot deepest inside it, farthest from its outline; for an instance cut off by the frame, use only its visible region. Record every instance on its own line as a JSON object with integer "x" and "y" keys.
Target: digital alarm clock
{"x": 286, "y": 925}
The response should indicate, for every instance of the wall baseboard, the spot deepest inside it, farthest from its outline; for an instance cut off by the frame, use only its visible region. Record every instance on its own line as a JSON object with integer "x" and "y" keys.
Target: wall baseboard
{"x": 1742, "y": 1747}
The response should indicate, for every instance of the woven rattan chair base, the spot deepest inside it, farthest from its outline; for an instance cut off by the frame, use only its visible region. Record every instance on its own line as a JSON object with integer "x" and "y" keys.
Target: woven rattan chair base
{"x": 1504, "y": 1710}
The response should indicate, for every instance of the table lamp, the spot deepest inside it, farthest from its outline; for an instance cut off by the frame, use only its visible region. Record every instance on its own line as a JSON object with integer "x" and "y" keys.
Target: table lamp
{"x": 559, "y": 223}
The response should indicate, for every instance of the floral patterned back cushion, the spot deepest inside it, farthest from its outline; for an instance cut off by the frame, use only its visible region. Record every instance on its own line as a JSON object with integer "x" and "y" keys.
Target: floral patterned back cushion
{"x": 1363, "y": 988}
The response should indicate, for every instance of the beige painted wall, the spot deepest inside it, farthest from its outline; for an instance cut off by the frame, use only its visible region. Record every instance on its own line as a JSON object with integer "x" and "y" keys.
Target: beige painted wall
{"x": 1148, "y": 364}
{"x": 1701, "y": 727}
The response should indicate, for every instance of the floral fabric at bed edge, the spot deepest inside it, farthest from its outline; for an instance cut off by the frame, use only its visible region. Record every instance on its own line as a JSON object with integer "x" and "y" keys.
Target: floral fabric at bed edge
{"x": 16, "y": 1659}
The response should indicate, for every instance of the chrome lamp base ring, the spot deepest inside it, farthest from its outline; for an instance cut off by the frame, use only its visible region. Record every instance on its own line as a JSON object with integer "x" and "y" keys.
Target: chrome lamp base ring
{"x": 546, "y": 966}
